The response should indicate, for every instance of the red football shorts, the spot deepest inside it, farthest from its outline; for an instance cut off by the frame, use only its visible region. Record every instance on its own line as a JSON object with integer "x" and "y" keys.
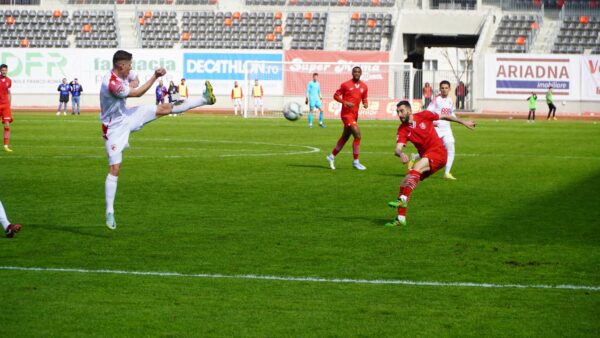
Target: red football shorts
{"x": 6, "y": 113}
{"x": 437, "y": 160}
{"x": 350, "y": 120}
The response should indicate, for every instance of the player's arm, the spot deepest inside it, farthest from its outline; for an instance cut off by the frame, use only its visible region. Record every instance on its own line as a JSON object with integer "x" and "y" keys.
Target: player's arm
{"x": 365, "y": 100}
{"x": 398, "y": 152}
{"x": 339, "y": 97}
{"x": 141, "y": 90}
{"x": 469, "y": 124}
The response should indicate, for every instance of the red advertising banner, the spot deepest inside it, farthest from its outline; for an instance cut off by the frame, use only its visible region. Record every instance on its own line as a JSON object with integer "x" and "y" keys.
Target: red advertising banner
{"x": 379, "y": 109}
{"x": 331, "y": 76}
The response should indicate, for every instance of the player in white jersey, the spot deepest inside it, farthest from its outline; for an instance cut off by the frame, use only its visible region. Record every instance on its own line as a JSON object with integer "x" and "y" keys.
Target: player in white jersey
{"x": 118, "y": 121}
{"x": 443, "y": 106}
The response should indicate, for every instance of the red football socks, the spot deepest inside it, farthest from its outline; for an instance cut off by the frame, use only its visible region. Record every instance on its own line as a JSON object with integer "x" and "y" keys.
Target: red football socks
{"x": 6, "y": 135}
{"x": 338, "y": 147}
{"x": 407, "y": 186}
{"x": 356, "y": 148}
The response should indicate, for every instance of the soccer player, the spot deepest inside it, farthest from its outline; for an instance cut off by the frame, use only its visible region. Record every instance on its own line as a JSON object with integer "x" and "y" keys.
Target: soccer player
{"x": 551, "y": 106}
{"x": 419, "y": 129}
{"x": 236, "y": 97}
{"x": 442, "y": 105}
{"x": 350, "y": 95}
{"x": 63, "y": 99}
{"x": 76, "y": 90}
{"x": 9, "y": 229}
{"x": 532, "y": 107}
{"x": 118, "y": 120}
{"x": 257, "y": 93}
{"x": 5, "y": 99}
{"x": 313, "y": 100}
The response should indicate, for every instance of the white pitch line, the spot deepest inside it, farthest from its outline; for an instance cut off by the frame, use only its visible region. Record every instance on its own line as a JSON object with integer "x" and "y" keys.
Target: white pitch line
{"x": 308, "y": 279}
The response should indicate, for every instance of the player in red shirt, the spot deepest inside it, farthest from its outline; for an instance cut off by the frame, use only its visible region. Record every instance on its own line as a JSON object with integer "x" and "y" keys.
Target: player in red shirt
{"x": 5, "y": 98}
{"x": 419, "y": 129}
{"x": 350, "y": 95}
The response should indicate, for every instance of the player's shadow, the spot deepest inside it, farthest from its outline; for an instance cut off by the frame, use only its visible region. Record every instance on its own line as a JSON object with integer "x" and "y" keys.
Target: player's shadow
{"x": 374, "y": 221}
{"x": 311, "y": 166}
{"x": 85, "y": 230}
{"x": 570, "y": 214}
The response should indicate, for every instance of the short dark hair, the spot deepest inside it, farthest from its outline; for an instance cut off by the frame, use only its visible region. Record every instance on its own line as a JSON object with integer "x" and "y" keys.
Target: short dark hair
{"x": 3, "y": 66}
{"x": 356, "y": 67}
{"x": 315, "y": 74}
{"x": 404, "y": 103}
{"x": 445, "y": 82}
{"x": 121, "y": 55}
{"x": 550, "y": 87}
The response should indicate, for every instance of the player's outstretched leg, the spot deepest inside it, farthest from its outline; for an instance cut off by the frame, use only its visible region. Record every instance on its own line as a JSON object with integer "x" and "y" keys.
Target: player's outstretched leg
{"x": 208, "y": 97}
{"x": 356, "y": 148}
{"x": 310, "y": 118}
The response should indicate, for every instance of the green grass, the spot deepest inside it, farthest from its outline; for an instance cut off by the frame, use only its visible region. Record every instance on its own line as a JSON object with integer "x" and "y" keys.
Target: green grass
{"x": 525, "y": 210}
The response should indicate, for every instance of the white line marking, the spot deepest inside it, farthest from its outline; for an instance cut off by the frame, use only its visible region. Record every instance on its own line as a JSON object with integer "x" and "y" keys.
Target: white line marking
{"x": 309, "y": 279}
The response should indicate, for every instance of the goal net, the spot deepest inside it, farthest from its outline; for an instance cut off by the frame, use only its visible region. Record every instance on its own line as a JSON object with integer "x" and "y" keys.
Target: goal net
{"x": 284, "y": 82}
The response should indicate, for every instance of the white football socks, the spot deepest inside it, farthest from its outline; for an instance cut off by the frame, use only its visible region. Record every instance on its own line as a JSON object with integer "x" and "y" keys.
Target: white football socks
{"x": 401, "y": 218}
{"x": 188, "y": 104}
{"x": 3, "y": 218}
{"x": 110, "y": 189}
{"x": 451, "y": 152}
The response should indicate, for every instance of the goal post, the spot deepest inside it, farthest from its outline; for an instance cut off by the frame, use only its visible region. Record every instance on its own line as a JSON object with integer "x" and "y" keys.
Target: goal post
{"x": 284, "y": 82}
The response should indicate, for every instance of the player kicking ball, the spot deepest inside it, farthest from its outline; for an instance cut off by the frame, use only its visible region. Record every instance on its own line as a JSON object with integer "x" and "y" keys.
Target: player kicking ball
{"x": 419, "y": 129}
{"x": 118, "y": 120}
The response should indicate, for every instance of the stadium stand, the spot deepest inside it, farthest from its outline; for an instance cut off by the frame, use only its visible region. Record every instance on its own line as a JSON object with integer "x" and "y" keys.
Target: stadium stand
{"x": 35, "y": 28}
{"x": 95, "y": 29}
{"x": 353, "y": 3}
{"x": 227, "y": 30}
{"x": 516, "y": 33}
{"x": 453, "y": 4}
{"x": 307, "y": 30}
{"x": 158, "y": 29}
{"x": 575, "y": 36}
{"x": 368, "y": 29}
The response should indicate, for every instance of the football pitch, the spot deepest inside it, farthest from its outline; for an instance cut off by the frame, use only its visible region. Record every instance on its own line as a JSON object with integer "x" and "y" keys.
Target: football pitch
{"x": 233, "y": 227}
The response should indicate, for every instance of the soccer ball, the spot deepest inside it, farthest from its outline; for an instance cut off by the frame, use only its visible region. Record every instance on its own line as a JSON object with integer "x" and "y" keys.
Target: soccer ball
{"x": 292, "y": 111}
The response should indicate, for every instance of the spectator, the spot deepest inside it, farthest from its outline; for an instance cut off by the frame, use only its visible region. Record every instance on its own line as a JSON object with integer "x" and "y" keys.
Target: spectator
{"x": 63, "y": 99}
{"x": 75, "y": 88}
{"x": 460, "y": 92}
{"x": 161, "y": 92}
{"x": 172, "y": 91}
{"x": 427, "y": 94}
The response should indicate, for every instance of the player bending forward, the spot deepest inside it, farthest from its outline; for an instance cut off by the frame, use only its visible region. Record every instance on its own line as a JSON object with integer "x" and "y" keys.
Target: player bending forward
{"x": 419, "y": 129}
{"x": 118, "y": 121}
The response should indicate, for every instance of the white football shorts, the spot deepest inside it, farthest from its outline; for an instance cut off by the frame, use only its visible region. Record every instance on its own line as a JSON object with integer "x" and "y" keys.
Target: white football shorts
{"x": 117, "y": 134}
{"x": 237, "y": 102}
{"x": 258, "y": 102}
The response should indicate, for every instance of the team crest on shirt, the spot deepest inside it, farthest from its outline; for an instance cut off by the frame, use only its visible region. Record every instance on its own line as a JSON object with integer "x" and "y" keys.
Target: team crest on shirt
{"x": 113, "y": 147}
{"x": 422, "y": 125}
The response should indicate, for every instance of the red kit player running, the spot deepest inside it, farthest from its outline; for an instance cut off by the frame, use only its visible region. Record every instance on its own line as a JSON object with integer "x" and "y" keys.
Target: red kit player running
{"x": 419, "y": 129}
{"x": 5, "y": 113}
{"x": 350, "y": 95}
